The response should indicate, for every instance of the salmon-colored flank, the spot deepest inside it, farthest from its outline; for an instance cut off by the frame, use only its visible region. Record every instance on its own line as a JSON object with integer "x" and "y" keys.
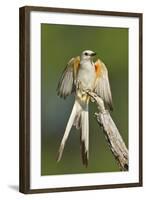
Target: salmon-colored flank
{"x": 98, "y": 68}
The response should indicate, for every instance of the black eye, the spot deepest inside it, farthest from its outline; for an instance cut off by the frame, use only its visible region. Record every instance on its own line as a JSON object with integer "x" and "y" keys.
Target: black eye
{"x": 86, "y": 54}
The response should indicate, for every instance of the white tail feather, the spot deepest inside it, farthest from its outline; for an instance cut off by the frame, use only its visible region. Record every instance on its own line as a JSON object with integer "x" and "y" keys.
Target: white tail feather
{"x": 76, "y": 108}
{"x": 85, "y": 135}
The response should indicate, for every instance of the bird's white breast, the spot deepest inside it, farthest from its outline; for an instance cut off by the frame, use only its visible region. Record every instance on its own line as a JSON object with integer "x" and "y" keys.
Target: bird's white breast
{"x": 87, "y": 75}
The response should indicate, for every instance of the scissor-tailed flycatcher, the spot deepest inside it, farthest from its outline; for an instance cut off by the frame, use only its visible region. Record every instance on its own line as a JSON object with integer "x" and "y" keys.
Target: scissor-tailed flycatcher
{"x": 82, "y": 74}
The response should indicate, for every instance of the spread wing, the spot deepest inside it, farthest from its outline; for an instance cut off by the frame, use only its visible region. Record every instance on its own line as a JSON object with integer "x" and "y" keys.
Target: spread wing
{"x": 67, "y": 80}
{"x": 102, "y": 85}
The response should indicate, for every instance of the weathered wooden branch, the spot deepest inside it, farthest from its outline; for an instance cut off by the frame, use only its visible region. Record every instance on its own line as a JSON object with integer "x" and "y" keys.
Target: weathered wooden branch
{"x": 114, "y": 139}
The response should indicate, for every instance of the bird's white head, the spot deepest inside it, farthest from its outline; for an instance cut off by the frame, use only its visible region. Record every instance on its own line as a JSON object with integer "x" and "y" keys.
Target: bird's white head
{"x": 87, "y": 55}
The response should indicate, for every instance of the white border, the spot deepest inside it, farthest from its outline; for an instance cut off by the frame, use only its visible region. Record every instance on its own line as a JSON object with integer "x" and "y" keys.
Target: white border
{"x": 36, "y": 180}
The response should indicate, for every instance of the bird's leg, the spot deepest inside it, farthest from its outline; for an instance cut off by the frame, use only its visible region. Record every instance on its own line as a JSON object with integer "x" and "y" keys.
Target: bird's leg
{"x": 78, "y": 84}
{"x": 91, "y": 98}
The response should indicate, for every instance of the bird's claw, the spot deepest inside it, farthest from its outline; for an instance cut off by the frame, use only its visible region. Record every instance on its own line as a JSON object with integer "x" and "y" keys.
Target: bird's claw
{"x": 92, "y": 100}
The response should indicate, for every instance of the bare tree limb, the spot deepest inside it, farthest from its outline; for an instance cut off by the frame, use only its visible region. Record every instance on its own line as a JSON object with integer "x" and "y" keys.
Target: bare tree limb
{"x": 114, "y": 139}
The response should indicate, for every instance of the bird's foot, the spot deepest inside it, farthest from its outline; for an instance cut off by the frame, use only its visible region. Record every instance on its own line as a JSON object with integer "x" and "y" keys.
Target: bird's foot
{"x": 92, "y": 100}
{"x": 88, "y": 91}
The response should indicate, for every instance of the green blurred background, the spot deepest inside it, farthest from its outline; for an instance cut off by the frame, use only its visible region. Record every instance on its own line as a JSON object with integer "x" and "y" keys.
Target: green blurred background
{"x": 59, "y": 43}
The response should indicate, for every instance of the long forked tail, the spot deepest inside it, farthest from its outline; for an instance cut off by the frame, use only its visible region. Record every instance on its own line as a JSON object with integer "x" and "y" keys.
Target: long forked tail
{"x": 79, "y": 118}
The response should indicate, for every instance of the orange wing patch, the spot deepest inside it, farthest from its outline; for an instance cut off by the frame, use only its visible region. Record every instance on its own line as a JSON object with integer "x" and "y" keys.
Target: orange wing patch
{"x": 98, "y": 68}
{"x": 76, "y": 66}
{"x": 77, "y": 63}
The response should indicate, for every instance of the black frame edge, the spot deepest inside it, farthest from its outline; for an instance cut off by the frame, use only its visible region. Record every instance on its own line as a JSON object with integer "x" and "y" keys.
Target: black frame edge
{"x": 141, "y": 99}
{"x": 81, "y": 11}
{"x": 83, "y": 188}
{"x": 24, "y": 101}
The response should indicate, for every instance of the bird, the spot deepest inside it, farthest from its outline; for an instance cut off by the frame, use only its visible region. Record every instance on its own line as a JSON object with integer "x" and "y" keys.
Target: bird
{"x": 80, "y": 75}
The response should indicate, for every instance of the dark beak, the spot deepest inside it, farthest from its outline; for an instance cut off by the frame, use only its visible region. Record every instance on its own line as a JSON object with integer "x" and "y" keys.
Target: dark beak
{"x": 93, "y": 54}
